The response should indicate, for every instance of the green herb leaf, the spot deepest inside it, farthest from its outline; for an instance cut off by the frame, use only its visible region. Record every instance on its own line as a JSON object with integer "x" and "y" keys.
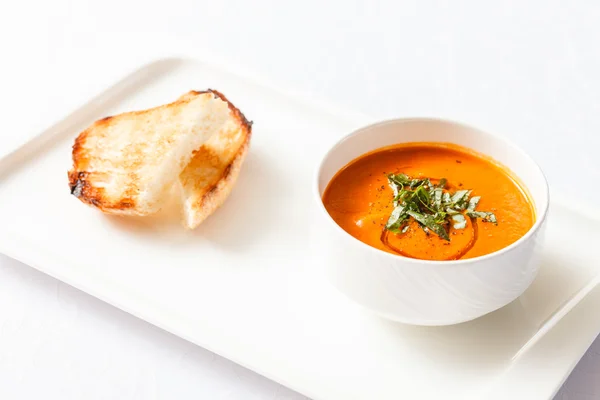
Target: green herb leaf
{"x": 476, "y": 214}
{"x": 473, "y": 201}
{"x": 397, "y": 183}
{"x": 399, "y": 179}
{"x": 424, "y": 197}
{"x": 437, "y": 198}
{"x": 459, "y": 195}
{"x": 460, "y": 199}
{"x": 484, "y": 215}
{"x": 446, "y": 199}
{"x": 460, "y": 222}
{"x": 428, "y": 221}
{"x": 397, "y": 218}
{"x": 440, "y": 218}
{"x": 451, "y": 211}
{"x": 395, "y": 190}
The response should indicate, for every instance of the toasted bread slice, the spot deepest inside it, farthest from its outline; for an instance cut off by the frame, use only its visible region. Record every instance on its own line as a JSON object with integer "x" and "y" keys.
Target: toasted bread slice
{"x": 209, "y": 178}
{"x": 127, "y": 163}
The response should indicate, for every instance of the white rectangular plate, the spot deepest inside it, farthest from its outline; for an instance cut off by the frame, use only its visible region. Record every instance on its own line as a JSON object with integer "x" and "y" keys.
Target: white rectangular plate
{"x": 247, "y": 285}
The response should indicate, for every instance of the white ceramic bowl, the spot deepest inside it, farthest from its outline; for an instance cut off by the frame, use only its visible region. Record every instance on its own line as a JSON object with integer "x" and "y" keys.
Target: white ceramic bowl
{"x": 423, "y": 292}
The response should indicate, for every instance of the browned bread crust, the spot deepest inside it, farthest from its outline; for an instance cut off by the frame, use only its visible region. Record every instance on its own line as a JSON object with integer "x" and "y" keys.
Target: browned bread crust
{"x": 209, "y": 178}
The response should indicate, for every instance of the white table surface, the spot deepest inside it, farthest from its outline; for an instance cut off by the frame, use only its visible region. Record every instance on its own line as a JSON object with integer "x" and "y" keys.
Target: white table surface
{"x": 529, "y": 70}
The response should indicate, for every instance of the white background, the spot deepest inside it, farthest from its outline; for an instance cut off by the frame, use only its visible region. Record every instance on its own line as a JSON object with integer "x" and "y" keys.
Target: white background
{"x": 528, "y": 69}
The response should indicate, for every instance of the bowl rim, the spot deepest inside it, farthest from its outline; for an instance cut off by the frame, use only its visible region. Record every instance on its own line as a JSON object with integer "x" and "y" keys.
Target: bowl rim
{"x": 545, "y": 201}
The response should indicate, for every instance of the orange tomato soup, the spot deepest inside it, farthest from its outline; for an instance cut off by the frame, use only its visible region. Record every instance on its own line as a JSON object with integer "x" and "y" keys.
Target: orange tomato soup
{"x": 360, "y": 200}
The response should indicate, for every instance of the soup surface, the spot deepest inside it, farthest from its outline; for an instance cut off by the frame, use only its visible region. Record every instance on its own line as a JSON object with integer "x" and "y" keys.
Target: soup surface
{"x": 417, "y": 182}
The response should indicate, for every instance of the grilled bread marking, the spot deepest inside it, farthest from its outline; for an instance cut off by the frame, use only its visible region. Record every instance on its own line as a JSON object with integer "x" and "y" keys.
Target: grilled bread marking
{"x": 209, "y": 178}
{"x": 127, "y": 163}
